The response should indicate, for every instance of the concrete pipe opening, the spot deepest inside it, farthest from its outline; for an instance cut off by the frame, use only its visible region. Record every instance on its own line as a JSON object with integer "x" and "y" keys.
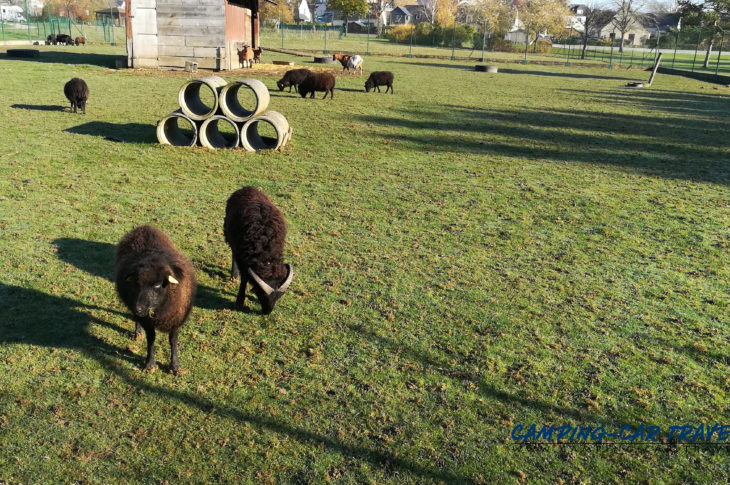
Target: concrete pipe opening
{"x": 270, "y": 131}
{"x": 198, "y": 98}
{"x": 244, "y": 99}
{"x": 177, "y": 129}
{"x": 218, "y": 132}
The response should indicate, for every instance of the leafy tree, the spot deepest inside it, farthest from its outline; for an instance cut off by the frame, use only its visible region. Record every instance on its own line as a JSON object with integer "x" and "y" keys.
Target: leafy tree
{"x": 542, "y": 15}
{"x": 445, "y": 13}
{"x": 348, "y": 8}
{"x": 282, "y": 11}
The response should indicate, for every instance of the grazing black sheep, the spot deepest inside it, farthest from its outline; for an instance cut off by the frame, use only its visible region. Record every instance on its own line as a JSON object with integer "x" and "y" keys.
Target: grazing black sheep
{"x": 157, "y": 283}
{"x": 51, "y": 39}
{"x": 255, "y": 230}
{"x": 77, "y": 92}
{"x": 293, "y": 78}
{"x": 318, "y": 81}
{"x": 380, "y": 78}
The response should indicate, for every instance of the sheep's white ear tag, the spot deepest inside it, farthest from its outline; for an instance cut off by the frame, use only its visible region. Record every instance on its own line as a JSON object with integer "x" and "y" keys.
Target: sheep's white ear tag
{"x": 172, "y": 280}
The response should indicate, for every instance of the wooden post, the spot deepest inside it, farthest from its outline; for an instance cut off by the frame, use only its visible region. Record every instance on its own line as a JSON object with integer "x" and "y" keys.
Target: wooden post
{"x": 656, "y": 67}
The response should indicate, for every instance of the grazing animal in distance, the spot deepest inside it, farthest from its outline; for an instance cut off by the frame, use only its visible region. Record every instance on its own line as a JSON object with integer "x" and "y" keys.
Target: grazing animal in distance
{"x": 354, "y": 63}
{"x": 343, "y": 58}
{"x": 318, "y": 81}
{"x": 157, "y": 283}
{"x": 77, "y": 92}
{"x": 51, "y": 39}
{"x": 257, "y": 55}
{"x": 379, "y": 78}
{"x": 293, "y": 78}
{"x": 64, "y": 39}
{"x": 80, "y": 40}
{"x": 255, "y": 230}
{"x": 245, "y": 56}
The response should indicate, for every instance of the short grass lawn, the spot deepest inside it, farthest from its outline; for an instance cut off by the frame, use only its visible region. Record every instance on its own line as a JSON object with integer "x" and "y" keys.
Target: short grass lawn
{"x": 473, "y": 253}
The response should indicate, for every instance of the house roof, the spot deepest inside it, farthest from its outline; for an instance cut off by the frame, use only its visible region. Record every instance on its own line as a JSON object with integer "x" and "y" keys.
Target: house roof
{"x": 402, "y": 9}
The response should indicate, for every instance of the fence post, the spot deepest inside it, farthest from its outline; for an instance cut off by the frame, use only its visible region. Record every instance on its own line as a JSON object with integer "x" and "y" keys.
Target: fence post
{"x": 324, "y": 51}
{"x": 2, "y": 26}
{"x": 719, "y": 53}
{"x": 27, "y": 19}
{"x": 484, "y": 40}
{"x": 453, "y": 41}
{"x": 567, "y": 63}
{"x": 410, "y": 48}
{"x": 281, "y": 27}
{"x": 367, "y": 42}
{"x": 658, "y": 38}
{"x": 699, "y": 38}
{"x": 610, "y": 59}
{"x": 676, "y": 41}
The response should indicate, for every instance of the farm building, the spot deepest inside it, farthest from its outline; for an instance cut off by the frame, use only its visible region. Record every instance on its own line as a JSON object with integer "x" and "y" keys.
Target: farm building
{"x": 168, "y": 33}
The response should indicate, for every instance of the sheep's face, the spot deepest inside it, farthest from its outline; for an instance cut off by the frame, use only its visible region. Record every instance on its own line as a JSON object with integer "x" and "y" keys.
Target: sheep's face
{"x": 303, "y": 92}
{"x": 368, "y": 85}
{"x": 149, "y": 286}
{"x": 268, "y": 293}
{"x": 281, "y": 85}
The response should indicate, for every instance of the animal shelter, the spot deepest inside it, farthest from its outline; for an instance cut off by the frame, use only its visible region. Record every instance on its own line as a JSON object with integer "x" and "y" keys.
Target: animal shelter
{"x": 169, "y": 33}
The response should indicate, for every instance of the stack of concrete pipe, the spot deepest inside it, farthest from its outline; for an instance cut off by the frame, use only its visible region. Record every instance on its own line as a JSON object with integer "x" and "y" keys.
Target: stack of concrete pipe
{"x": 202, "y": 121}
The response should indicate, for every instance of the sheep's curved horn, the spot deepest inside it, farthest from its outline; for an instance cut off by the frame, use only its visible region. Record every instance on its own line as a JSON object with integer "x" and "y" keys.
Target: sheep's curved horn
{"x": 287, "y": 281}
{"x": 262, "y": 284}
{"x": 172, "y": 280}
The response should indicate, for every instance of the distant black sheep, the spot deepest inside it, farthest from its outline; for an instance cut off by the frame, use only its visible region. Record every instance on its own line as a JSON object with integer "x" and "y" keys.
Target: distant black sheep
{"x": 64, "y": 39}
{"x": 157, "y": 283}
{"x": 77, "y": 92}
{"x": 318, "y": 81}
{"x": 380, "y": 78}
{"x": 51, "y": 39}
{"x": 255, "y": 230}
{"x": 293, "y": 78}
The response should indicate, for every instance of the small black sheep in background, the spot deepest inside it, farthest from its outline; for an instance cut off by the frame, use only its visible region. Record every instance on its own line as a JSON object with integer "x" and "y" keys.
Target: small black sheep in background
{"x": 157, "y": 283}
{"x": 380, "y": 78}
{"x": 64, "y": 39}
{"x": 318, "y": 81}
{"x": 255, "y": 230}
{"x": 293, "y": 78}
{"x": 51, "y": 39}
{"x": 77, "y": 92}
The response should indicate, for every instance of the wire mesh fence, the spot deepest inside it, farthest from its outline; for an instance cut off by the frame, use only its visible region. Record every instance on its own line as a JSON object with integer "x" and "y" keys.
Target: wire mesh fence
{"x": 38, "y": 30}
{"x": 695, "y": 50}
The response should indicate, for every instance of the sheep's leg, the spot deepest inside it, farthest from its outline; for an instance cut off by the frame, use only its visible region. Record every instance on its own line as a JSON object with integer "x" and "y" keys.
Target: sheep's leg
{"x": 377, "y": 86}
{"x": 83, "y": 108}
{"x": 174, "y": 360}
{"x": 149, "y": 364}
{"x": 241, "y": 298}
{"x": 235, "y": 272}
{"x": 137, "y": 331}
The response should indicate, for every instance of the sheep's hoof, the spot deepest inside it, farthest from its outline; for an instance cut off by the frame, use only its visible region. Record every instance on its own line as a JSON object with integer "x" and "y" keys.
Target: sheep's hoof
{"x": 179, "y": 371}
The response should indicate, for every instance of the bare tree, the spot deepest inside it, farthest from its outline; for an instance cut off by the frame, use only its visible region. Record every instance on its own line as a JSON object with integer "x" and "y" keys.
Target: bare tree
{"x": 592, "y": 20}
{"x": 627, "y": 15}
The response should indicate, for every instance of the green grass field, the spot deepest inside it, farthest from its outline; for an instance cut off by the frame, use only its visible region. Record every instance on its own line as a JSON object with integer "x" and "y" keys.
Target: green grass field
{"x": 475, "y": 252}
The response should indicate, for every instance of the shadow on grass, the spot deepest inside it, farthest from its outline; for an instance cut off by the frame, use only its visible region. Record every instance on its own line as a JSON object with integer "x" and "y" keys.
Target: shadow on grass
{"x": 97, "y": 258}
{"x": 40, "y": 107}
{"x": 60, "y": 322}
{"x": 123, "y": 132}
{"x": 448, "y": 369}
{"x": 684, "y": 135}
{"x": 574, "y": 75}
{"x": 70, "y": 57}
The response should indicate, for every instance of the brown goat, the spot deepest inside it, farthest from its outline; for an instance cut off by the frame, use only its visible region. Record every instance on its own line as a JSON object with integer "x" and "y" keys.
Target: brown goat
{"x": 255, "y": 230}
{"x": 157, "y": 283}
{"x": 246, "y": 56}
{"x": 343, "y": 58}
